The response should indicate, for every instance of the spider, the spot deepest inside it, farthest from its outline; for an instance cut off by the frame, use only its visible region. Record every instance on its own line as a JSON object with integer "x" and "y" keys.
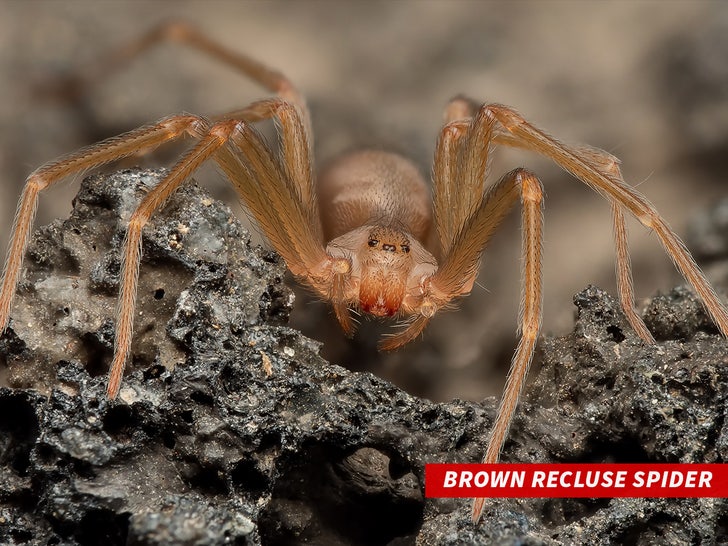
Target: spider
{"x": 360, "y": 234}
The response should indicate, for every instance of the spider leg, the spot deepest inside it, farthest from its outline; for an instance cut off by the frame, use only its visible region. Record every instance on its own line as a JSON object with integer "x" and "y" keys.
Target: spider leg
{"x": 289, "y": 110}
{"x": 297, "y": 132}
{"x": 295, "y": 230}
{"x": 211, "y": 141}
{"x": 265, "y": 185}
{"x": 609, "y": 165}
{"x": 176, "y": 31}
{"x": 625, "y": 284}
{"x": 466, "y": 214}
{"x": 461, "y": 167}
{"x": 288, "y": 189}
{"x": 459, "y": 268}
{"x": 341, "y": 308}
{"x": 264, "y": 190}
{"x": 528, "y": 187}
{"x": 112, "y": 149}
{"x": 447, "y": 170}
{"x": 462, "y": 162}
{"x": 585, "y": 164}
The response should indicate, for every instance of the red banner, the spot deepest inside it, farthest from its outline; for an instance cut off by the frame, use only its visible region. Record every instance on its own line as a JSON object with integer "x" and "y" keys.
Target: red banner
{"x": 576, "y": 480}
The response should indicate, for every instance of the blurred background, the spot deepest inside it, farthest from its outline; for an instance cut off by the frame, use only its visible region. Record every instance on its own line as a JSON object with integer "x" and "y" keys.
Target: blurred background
{"x": 646, "y": 81}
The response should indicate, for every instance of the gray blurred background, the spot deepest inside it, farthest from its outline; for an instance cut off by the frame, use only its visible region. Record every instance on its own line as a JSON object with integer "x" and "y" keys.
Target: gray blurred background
{"x": 647, "y": 81}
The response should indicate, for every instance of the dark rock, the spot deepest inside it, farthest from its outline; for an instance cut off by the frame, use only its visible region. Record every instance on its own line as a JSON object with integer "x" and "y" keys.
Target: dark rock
{"x": 708, "y": 232}
{"x": 697, "y": 76}
{"x": 230, "y": 428}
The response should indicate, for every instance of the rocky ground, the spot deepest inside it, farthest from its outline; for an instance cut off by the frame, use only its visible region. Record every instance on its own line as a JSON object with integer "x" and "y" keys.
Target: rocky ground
{"x": 230, "y": 425}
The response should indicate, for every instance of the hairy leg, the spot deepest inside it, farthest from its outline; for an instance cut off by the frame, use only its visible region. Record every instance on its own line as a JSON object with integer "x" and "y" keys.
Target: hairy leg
{"x": 625, "y": 284}
{"x": 272, "y": 190}
{"x": 584, "y": 164}
{"x": 607, "y": 164}
{"x": 531, "y": 192}
{"x": 142, "y": 139}
{"x": 460, "y": 169}
{"x": 290, "y": 110}
{"x": 209, "y": 143}
{"x": 179, "y": 32}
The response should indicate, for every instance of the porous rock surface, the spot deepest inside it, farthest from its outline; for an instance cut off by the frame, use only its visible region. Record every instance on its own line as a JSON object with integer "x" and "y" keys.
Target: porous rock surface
{"x": 230, "y": 429}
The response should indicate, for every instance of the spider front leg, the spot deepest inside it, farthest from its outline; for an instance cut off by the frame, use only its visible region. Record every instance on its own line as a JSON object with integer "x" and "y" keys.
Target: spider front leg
{"x": 518, "y": 184}
{"x": 107, "y": 151}
{"x": 445, "y": 285}
{"x": 467, "y": 248}
{"x": 465, "y": 216}
{"x": 465, "y": 224}
{"x": 530, "y": 314}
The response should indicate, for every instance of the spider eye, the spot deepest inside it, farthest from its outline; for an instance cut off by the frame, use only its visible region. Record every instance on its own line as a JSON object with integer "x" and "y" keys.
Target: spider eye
{"x": 373, "y": 242}
{"x": 405, "y": 248}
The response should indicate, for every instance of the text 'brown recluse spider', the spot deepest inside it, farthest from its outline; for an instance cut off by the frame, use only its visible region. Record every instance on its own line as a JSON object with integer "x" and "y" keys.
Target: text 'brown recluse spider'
{"x": 359, "y": 235}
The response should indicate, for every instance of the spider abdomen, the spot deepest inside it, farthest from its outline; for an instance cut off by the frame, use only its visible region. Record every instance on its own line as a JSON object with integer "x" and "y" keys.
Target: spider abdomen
{"x": 373, "y": 187}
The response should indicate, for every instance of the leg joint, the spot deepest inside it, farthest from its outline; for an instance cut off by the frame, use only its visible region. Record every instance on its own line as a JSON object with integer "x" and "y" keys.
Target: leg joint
{"x": 136, "y": 223}
{"x": 35, "y": 183}
{"x": 454, "y": 130}
{"x": 647, "y": 220}
{"x": 530, "y": 185}
{"x": 194, "y": 126}
{"x": 506, "y": 116}
{"x": 222, "y": 130}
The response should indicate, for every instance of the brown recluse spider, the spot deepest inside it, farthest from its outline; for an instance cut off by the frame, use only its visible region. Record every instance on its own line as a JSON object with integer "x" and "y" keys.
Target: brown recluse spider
{"x": 357, "y": 235}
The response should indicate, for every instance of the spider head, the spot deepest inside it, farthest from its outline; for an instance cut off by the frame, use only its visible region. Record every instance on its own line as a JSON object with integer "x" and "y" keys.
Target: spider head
{"x": 386, "y": 262}
{"x": 387, "y": 269}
